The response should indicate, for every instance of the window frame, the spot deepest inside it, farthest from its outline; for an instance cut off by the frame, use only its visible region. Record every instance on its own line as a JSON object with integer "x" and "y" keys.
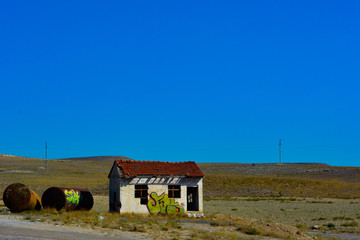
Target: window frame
{"x": 141, "y": 191}
{"x": 174, "y": 191}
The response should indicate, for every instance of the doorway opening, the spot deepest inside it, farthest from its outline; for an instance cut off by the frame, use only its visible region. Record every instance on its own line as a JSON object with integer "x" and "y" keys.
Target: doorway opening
{"x": 192, "y": 199}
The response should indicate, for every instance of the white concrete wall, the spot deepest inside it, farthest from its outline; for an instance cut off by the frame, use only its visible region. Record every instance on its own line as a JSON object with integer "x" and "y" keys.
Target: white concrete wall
{"x": 201, "y": 196}
{"x": 130, "y": 204}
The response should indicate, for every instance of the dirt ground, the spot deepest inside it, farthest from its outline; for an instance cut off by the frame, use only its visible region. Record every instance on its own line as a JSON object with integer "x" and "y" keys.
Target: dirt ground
{"x": 299, "y": 212}
{"x": 101, "y": 204}
{"x": 13, "y": 227}
{"x": 344, "y": 214}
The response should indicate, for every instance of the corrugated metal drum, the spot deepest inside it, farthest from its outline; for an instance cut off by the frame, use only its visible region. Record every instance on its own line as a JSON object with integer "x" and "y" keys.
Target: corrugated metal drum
{"x": 18, "y": 197}
{"x": 68, "y": 198}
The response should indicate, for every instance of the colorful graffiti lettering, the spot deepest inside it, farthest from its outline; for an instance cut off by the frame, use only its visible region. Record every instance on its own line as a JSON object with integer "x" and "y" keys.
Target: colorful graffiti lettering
{"x": 163, "y": 205}
{"x": 72, "y": 197}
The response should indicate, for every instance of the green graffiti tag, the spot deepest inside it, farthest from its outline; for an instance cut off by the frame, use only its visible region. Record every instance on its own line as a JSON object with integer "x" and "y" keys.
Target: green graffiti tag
{"x": 72, "y": 197}
{"x": 163, "y": 204}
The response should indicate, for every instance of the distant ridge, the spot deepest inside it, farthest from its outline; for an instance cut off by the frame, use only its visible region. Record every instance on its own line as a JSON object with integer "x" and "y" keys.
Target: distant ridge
{"x": 309, "y": 163}
{"x": 95, "y": 158}
{"x": 7, "y": 155}
{"x": 14, "y": 156}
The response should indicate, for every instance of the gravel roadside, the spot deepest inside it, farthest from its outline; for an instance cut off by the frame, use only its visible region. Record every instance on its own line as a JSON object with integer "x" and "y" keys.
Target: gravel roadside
{"x": 13, "y": 227}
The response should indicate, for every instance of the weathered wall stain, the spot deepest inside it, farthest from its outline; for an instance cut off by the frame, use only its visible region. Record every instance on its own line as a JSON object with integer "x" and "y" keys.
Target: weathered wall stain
{"x": 163, "y": 204}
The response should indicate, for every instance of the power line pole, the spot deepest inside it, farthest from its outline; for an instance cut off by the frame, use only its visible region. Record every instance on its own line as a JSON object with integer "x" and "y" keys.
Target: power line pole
{"x": 280, "y": 150}
{"x": 46, "y": 161}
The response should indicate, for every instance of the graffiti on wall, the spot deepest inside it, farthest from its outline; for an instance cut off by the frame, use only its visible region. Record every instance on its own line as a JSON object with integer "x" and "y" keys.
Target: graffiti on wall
{"x": 163, "y": 204}
{"x": 72, "y": 197}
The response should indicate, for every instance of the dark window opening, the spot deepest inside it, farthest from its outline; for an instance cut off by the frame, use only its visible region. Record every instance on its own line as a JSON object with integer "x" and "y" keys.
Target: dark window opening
{"x": 141, "y": 191}
{"x": 174, "y": 191}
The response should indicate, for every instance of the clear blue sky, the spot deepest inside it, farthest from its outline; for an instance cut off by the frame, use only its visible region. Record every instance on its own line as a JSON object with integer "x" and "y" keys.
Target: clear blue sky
{"x": 205, "y": 81}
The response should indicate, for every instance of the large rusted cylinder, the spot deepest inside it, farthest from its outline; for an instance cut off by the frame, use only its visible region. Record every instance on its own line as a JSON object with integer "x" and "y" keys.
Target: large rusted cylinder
{"x": 18, "y": 197}
{"x": 68, "y": 198}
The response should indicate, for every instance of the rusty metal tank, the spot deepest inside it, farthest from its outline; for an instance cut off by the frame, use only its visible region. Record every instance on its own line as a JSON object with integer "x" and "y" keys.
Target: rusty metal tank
{"x": 18, "y": 197}
{"x": 68, "y": 198}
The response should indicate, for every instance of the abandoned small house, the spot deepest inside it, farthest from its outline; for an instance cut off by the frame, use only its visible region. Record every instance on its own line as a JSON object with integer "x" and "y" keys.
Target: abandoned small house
{"x": 155, "y": 187}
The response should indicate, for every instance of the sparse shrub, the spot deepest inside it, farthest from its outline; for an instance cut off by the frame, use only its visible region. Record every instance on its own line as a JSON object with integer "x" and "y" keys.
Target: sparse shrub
{"x": 213, "y": 216}
{"x": 350, "y": 224}
{"x": 249, "y": 230}
{"x": 193, "y": 235}
{"x": 330, "y": 225}
{"x": 301, "y": 226}
{"x": 137, "y": 229}
{"x": 105, "y": 225}
{"x": 174, "y": 224}
{"x": 252, "y": 231}
{"x": 114, "y": 226}
{"x": 215, "y": 223}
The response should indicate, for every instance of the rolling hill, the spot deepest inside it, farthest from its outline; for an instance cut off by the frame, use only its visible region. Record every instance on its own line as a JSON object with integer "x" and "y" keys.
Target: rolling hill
{"x": 221, "y": 179}
{"x": 95, "y": 158}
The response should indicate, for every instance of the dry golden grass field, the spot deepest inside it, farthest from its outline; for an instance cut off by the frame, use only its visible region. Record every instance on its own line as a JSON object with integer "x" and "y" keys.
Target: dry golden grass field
{"x": 242, "y": 201}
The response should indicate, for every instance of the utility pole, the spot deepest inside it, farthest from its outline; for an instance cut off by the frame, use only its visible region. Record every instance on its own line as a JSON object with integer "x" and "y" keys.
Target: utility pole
{"x": 280, "y": 150}
{"x": 46, "y": 155}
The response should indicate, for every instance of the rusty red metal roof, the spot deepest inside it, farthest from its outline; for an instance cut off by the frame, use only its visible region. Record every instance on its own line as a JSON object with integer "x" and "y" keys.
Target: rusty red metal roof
{"x": 132, "y": 168}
